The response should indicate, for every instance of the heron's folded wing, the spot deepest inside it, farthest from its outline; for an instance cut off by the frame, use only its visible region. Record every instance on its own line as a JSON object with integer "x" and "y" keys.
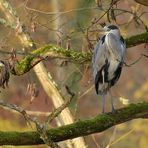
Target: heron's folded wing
{"x": 99, "y": 57}
{"x": 116, "y": 46}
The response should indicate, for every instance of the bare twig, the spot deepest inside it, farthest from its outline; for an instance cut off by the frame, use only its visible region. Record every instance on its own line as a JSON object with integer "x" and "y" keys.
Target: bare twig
{"x": 62, "y": 12}
{"x": 145, "y": 55}
{"x": 136, "y": 61}
{"x": 97, "y": 20}
{"x": 17, "y": 109}
{"x": 58, "y": 110}
{"x": 29, "y": 112}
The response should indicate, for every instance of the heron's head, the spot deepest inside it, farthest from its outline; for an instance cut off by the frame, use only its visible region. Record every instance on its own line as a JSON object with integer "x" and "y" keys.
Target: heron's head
{"x": 112, "y": 29}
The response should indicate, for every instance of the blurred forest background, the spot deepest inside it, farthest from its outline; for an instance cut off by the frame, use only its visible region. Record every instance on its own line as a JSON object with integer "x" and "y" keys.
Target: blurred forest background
{"x": 69, "y": 24}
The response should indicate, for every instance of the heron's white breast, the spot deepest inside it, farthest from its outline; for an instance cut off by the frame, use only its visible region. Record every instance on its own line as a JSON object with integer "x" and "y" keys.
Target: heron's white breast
{"x": 113, "y": 65}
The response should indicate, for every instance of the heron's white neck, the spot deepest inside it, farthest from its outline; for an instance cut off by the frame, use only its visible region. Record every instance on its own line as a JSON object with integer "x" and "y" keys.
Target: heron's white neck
{"x": 116, "y": 32}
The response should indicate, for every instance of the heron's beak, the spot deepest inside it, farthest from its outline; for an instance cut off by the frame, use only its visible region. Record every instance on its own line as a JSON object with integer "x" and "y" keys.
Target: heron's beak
{"x": 102, "y": 31}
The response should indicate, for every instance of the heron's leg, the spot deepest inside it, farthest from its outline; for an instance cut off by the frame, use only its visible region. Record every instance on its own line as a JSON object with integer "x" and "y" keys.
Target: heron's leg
{"x": 103, "y": 95}
{"x": 103, "y": 103}
{"x": 111, "y": 99}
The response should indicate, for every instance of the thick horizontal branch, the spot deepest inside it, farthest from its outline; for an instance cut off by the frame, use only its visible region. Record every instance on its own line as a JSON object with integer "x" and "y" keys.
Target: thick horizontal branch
{"x": 80, "y": 128}
{"x": 55, "y": 51}
{"x": 137, "y": 39}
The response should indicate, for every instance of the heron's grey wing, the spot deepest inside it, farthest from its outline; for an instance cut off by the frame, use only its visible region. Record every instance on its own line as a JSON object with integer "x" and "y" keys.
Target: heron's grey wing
{"x": 116, "y": 45}
{"x": 100, "y": 67}
{"x": 99, "y": 57}
{"x": 117, "y": 48}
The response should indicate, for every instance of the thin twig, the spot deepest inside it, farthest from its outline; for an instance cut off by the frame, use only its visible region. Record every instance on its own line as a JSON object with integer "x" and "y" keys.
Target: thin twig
{"x": 136, "y": 61}
{"x": 17, "y": 109}
{"x": 97, "y": 20}
{"x": 61, "y": 12}
{"x": 29, "y": 112}
{"x": 58, "y": 110}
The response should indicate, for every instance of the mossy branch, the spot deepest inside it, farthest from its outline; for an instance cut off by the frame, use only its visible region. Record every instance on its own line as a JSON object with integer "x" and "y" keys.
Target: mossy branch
{"x": 52, "y": 51}
{"x": 137, "y": 39}
{"x": 55, "y": 51}
{"x": 81, "y": 128}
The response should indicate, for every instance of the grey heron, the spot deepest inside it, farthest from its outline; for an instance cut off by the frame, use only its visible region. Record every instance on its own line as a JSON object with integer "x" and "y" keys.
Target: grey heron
{"x": 107, "y": 61}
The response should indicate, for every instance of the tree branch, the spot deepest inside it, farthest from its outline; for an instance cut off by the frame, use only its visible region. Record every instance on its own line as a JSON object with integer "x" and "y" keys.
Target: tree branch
{"x": 55, "y": 51}
{"x": 52, "y": 51}
{"x": 80, "y": 128}
{"x": 137, "y": 39}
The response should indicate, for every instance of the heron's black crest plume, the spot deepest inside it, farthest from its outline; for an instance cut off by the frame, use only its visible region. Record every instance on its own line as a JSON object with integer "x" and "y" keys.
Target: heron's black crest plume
{"x": 112, "y": 27}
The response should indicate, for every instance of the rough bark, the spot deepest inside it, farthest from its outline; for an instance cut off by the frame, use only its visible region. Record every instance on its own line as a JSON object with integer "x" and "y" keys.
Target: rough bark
{"x": 80, "y": 128}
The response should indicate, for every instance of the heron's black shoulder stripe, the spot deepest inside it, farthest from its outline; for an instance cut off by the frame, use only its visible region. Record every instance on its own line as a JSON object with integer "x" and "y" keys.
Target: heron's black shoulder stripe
{"x": 103, "y": 39}
{"x": 112, "y": 27}
{"x": 122, "y": 39}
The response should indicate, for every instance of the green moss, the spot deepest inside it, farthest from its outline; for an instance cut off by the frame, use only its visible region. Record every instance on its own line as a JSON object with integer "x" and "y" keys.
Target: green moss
{"x": 24, "y": 65}
{"x": 80, "y": 128}
{"x": 35, "y": 56}
{"x": 19, "y": 138}
{"x": 51, "y": 50}
{"x": 137, "y": 39}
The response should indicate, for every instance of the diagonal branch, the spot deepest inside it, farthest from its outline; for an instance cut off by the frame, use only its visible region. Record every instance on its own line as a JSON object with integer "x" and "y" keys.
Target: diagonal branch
{"x": 94, "y": 125}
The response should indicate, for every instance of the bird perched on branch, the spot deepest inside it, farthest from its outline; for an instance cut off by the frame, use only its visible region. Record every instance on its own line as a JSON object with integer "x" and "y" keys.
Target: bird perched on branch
{"x": 107, "y": 61}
